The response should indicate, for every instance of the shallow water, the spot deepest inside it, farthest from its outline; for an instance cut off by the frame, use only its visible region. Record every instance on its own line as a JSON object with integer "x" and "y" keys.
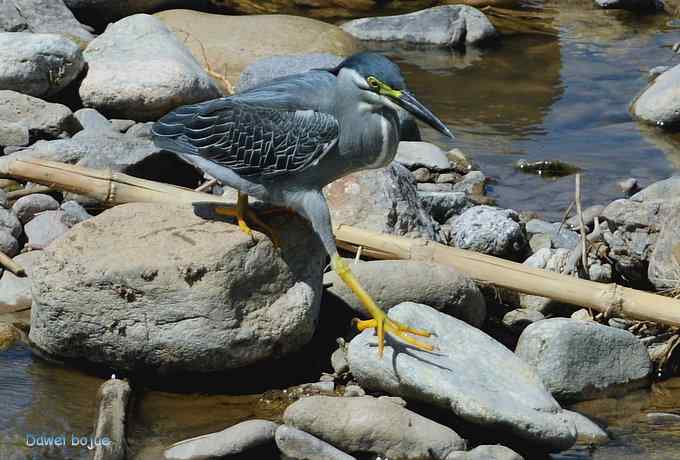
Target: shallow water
{"x": 564, "y": 97}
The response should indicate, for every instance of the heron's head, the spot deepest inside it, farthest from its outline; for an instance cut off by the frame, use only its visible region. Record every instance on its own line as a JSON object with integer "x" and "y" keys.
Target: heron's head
{"x": 382, "y": 84}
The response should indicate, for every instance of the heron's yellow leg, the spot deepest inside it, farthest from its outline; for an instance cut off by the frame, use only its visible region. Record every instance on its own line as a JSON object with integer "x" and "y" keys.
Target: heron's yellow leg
{"x": 244, "y": 215}
{"x": 379, "y": 320}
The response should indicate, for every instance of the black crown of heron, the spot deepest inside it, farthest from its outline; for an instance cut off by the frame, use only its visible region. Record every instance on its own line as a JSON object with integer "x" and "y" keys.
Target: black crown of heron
{"x": 283, "y": 141}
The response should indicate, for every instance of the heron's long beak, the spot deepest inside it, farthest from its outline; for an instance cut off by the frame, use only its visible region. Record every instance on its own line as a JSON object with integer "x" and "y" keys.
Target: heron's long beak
{"x": 409, "y": 103}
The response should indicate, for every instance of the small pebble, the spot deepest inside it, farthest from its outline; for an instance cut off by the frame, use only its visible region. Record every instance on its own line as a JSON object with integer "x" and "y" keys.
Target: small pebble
{"x": 27, "y": 207}
{"x": 448, "y": 178}
{"x": 8, "y": 244}
{"x": 423, "y": 175}
{"x": 74, "y": 213}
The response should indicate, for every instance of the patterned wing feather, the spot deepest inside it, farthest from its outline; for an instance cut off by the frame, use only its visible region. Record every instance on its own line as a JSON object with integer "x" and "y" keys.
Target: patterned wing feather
{"x": 251, "y": 140}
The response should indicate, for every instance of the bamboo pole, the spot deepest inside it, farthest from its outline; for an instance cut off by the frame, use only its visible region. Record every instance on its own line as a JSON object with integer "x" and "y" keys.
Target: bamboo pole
{"x": 116, "y": 188}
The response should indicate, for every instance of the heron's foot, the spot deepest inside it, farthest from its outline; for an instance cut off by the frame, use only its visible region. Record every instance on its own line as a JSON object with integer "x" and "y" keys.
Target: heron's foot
{"x": 379, "y": 320}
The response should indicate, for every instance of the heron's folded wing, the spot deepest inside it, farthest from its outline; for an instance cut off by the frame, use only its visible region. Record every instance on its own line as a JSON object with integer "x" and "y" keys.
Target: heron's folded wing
{"x": 251, "y": 140}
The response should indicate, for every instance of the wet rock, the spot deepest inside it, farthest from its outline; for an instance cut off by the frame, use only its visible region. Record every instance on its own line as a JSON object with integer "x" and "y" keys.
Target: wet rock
{"x": 272, "y": 67}
{"x": 580, "y": 360}
{"x": 92, "y": 120}
{"x": 559, "y": 238}
{"x": 633, "y": 228}
{"x": 215, "y": 301}
{"x": 487, "y": 452}
{"x": 45, "y": 228}
{"x": 298, "y": 445}
{"x": 659, "y": 104}
{"x": 9, "y": 335}
{"x": 15, "y": 292}
{"x": 41, "y": 16}
{"x": 628, "y": 4}
{"x": 517, "y": 320}
{"x": 369, "y": 425}
{"x": 445, "y": 26}
{"x": 416, "y": 155}
{"x": 38, "y": 64}
{"x": 664, "y": 263}
{"x": 661, "y": 418}
{"x": 9, "y": 245}
{"x": 10, "y": 222}
{"x": 28, "y": 206}
{"x": 490, "y": 231}
{"x": 547, "y": 168}
{"x": 138, "y": 69}
{"x": 113, "y": 396}
{"x": 667, "y": 189}
{"x": 443, "y": 288}
{"x": 443, "y": 206}
{"x": 42, "y": 120}
{"x": 472, "y": 183}
{"x": 241, "y": 438}
{"x": 588, "y": 431}
{"x": 512, "y": 400}
{"x": 231, "y": 43}
{"x": 74, "y": 213}
{"x": 381, "y": 200}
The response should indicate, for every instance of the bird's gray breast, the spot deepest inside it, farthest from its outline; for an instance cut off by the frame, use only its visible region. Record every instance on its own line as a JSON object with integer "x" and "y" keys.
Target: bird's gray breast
{"x": 370, "y": 141}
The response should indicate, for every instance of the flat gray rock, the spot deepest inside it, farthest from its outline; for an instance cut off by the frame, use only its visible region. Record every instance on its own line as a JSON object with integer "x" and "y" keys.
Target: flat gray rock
{"x": 43, "y": 120}
{"x": 138, "y": 69}
{"x": 559, "y": 235}
{"x": 214, "y": 301}
{"x": 667, "y": 189}
{"x": 580, "y": 360}
{"x": 295, "y": 444}
{"x": 92, "y": 120}
{"x": 38, "y": 64}
{"x": 236, "y": 439}
{"x": 492, "y": 231}
{"x": 28, "y": 206}
{"x": 392, "y": 282}
{"x": 659, "y": 104}
{"x": 445, "y": 26}
{"x": 369, "y": 425}
{"x": 45, "y": 228}
{"x": 517, "y": 320}
{"x": 487, "y": 452}
{"x": 41, "y": 16}
{"x": 496, "y": 392}
{"x": 415, "y": 155}
{"x": 664, "y": 262}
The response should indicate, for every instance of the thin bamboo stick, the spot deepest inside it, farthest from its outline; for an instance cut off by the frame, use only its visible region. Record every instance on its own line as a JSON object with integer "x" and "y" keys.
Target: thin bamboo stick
{"x": 11, "y": 265}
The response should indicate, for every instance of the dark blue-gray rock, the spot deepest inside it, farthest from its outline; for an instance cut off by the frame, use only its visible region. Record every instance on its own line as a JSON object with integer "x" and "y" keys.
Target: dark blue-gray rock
{"x": 492, "y": 231}
{"x": 370, "y": 425}
{"x": 44, "y": 228}
{"x": 635, "y": 5}
{"x": 559, "y": 235}
{"x": 415, "y": 155}
{"x": 10, "y": 222}
{"x": 444, "y": 205}
{"x": 445, "y": 26}
{"x": 382, "y": 200}
{"x": 237, "y": 439}
{"x": 41, "y": 16}
{"x": 92, "y": 120}
{"x": 443, "y": 288}
{"x": 139, "y": 69}
{"x": 269, "y": 68}
{"x": 579, "y": 360}
{"x": 28, "y": 206}
{"x": 487, "y": 452}
{"x": 42, "y": 120}
{"x": 38, "y": 64}
{"x": 664, "y": 262}
{"x": 471, "y": 375}
{"x": 299, "y": 445}
{"x": 214, "y": 302}
{"x": 667, "y": 189}
{"x": 74, "y": 213}
{"x": 659, "y": 104}
{"x": 9, "y": 245}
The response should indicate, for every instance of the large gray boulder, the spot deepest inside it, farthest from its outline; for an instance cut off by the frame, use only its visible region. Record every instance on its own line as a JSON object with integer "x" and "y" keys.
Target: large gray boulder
{"x": 155, "y": 287}
{"x": 580, "y": 360}
{"x": 241, "y": 438}
{"x": 492, "y": 231}
{"x": 298, "y": 445}
{"x": 38, "y": 64}
{"x": 41, "y": 16}
{"x": 497, "y": 393}
{"x": 392, "y": 282}
{"x": 370, "y": 425}
{"x": 660, "y": 102}
{"x": 138, "y": 69}
{"x": 664, "y": 263}
{"x": 446, "y": 26}
{"x": 42, "y": 120}
{"x": 382, "y": 200}
{"x": 667, "y": 189}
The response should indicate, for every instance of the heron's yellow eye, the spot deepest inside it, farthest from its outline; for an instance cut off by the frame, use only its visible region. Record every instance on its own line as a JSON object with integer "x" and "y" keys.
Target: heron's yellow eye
{"x": 373, "y": 82}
